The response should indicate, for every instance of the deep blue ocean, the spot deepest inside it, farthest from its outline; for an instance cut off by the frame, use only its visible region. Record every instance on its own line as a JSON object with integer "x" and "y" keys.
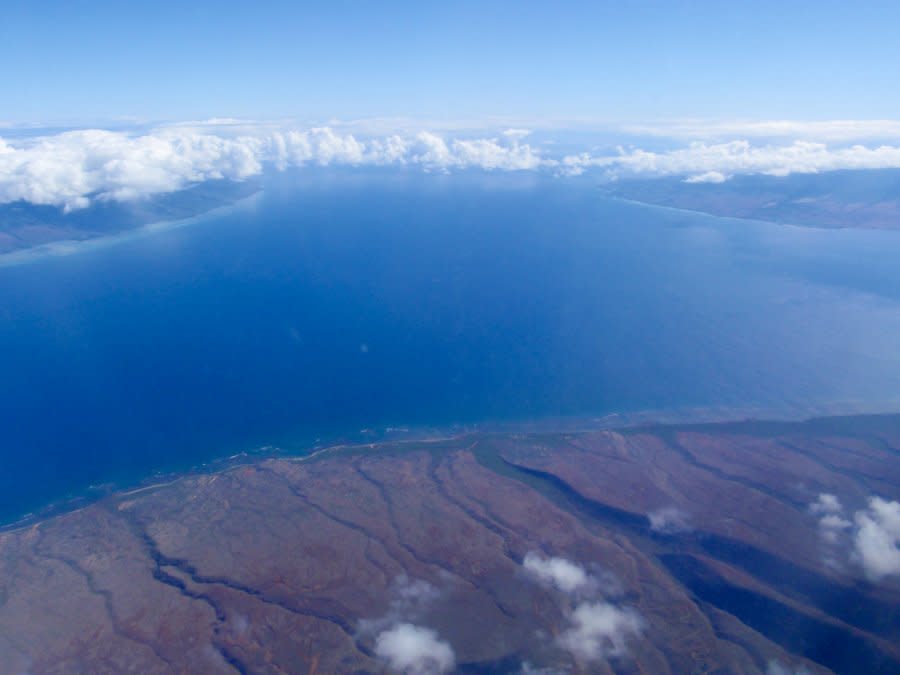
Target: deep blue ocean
{"x": 338, "y": 300}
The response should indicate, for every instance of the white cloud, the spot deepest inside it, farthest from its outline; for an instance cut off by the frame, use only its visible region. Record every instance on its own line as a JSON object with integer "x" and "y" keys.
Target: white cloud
{"x": 826, "y": 503}
{"x": 559, "y": 573}
{"x": 596, "y": 629}
{"x": 831, "y": 526}
{"x": 72, "y": 168}
{"x": 414, "y": 650}
{"x": 708, "y": 177}
{"x": 719, "y": 161}
{"x": 68, "y": 169}
{"x": 669, "y": 520}
{"x": 410, "y": 599}
{"x": 877, "y": 538}
{"x": 599, "y": 631}
{"x": 875, "y": 533}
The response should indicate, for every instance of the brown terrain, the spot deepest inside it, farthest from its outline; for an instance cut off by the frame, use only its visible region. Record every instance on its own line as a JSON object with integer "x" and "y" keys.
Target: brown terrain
{"x": 651, "y": 550}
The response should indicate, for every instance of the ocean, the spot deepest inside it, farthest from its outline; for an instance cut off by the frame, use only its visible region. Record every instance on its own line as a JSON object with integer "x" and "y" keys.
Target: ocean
{"x": 341, "y": 299}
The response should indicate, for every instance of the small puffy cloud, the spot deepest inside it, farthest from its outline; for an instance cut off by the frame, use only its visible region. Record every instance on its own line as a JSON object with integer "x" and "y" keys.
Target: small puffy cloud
{"x": 779, "y": 668}
{"x": 599, "y": 631}
{"x": 877, "y": 538}
{"x": 528, "y": 669}
{"x": 669, "y": 520}
{"x": 708, "y": 177}
{"x": 874, "y": 533}
{"x": 826, "y": 503}
{"x": 596, "y": 628}
{"x": 831, "y": 526}
{"x": 410, "y": 599}
{"x": 414, "y": 650}
{"x": 560, "y": 573}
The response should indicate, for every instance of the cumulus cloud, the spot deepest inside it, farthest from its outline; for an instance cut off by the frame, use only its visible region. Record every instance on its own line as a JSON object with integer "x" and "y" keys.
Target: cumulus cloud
{"x": 832, "y": 525}
{"x": 401, "y": 642}
{"x": 72, "y": 168}
{"x": 716, "y": 162}
{"x": 410, "y": 599}
{"x": 599, "y": 631}
{"x": 414, "y": 650}
{"x": 826, "y": 504}
{"x": 877, "y": 538}
{"x": 669, "y": 520}
{"x": 708, "y": 177}
{"x": 560, "y": 573}
{"x": 874, "y": 533}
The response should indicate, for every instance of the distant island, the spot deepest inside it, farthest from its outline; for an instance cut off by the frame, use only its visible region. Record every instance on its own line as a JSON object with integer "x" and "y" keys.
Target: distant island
{"x": 25, "y": 226}
{"x": 836, "y": 199}
{"x": 728, "y": 547}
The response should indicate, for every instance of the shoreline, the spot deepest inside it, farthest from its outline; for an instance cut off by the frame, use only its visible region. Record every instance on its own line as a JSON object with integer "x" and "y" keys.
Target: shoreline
{"x": 743, "y": 219}
{"x": 65, "y": 247}
{"x": 372, "y": 439}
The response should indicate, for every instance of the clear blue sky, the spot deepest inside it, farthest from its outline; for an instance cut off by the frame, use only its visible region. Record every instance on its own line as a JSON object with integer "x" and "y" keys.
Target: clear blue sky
{"x": 94, "y": 61}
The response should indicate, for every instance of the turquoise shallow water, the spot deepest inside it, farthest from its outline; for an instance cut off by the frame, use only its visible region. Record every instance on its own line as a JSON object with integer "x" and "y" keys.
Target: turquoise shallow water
{"x": 348, "y": 299}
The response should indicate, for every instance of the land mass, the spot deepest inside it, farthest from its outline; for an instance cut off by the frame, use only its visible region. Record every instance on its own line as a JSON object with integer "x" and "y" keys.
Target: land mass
{"x": 25, "y": 226}
{"x": 867, "y": 199}
{"x": 679, "y": 548}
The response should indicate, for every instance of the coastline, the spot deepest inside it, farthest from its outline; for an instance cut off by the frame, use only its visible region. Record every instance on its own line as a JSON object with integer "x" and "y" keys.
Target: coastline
{"x": 66, "y": 247}
{"x": 372, "y": 439}
{"x": 741, "y": 219}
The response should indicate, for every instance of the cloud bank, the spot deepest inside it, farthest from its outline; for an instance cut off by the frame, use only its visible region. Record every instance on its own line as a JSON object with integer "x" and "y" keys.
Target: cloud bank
{"x": 704, "y": 162}
{"x": 73, "y": 168}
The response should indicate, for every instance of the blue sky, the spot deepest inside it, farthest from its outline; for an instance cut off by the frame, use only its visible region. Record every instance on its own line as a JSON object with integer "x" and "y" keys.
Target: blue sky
{"x": 89, "y": 62}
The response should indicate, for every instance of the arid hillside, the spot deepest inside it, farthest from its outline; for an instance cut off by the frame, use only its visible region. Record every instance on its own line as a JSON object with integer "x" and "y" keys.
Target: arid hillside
{"x": 746, "y": 548}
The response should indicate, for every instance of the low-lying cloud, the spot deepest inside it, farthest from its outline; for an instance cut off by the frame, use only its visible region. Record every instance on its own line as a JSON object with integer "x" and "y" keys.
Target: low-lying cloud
{"x": 873, "y": 534}
{"x": 401, "y": 642}
{"x": 410, "y": 599}
{"x": 74, "y": 168}
{"x": 669, "y": 520}
{"x": 778, "y": 668}
{"x": 70, "y": 169}
{"x": 597, "y": 629}
{"x": 559, "y": 573}
{"x": 414, "y": 650}
{"x": 877, "y": 538}
{"x": 716, "y": 162}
